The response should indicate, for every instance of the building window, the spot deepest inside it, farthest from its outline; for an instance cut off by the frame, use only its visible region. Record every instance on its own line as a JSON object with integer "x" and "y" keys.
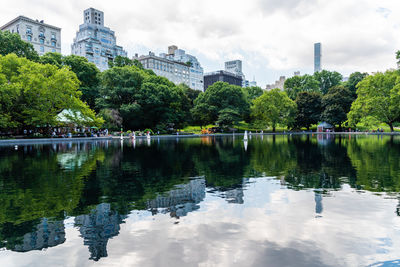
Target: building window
{"x": 53, "y": 50}
{"x": 53, "y": 36}
{"x": 42, "y": 49}
{"x": 41, "y": 41}
{"x": 53, "y": 43}
{"x": 29, "y": 38}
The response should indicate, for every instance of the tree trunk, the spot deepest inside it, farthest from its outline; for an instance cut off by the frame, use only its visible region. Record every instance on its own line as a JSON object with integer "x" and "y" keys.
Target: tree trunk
{"x": 273, "y": 128}
{"x": 391, "y": 126}
{"x": 308, "y": 127}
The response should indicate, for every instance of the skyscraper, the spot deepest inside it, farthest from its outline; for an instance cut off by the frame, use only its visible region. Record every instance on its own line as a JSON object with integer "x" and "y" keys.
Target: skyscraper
{"x": 317, "y": 57}
{"x": 95, "y": 41}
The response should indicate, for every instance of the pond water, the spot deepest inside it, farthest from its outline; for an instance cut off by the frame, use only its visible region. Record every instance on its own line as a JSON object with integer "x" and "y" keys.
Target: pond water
{"x": 319, "y": 200}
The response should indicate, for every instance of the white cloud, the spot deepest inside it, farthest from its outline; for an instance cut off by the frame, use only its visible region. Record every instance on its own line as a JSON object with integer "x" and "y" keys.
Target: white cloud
{"x": 272, "y": 37}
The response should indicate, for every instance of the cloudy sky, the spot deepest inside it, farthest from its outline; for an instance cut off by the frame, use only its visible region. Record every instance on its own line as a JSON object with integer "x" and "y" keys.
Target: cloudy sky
{"x": 271, "y": 37}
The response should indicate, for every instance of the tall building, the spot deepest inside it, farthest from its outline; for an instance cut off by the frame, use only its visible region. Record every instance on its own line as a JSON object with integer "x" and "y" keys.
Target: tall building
{"x": 96, "y": 42}
{"x": 44, "y": 37}
{"x": 235, "y": 66}
{"x": 317, "y": 57}
{"x": 176, "y": 72}
{"x": 221, "y": 76}
{"x": 196, "y": 72}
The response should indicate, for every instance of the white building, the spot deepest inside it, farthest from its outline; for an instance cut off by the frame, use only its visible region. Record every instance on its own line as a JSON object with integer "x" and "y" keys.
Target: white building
{"x": 278, "y": 84}
{"x": 44, "y": 37}
{"x": 176, "y": 66}
{"x": 96, "y": 42}
{"x": 196, "y": 72}
{"x": 174, "y": 71}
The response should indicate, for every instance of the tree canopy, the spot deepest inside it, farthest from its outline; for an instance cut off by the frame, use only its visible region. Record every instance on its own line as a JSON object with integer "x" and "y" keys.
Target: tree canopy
{"x": 378, "y": 98}
{"x": 142, "y": 100}
{"x": 327, "y": 79}
{"x": 272, "y": 108}
{"x": 87, "y": 73}
{"x": 336, "y": 104}
{"x": 220, "y": 96}
{"x": 32, "y": 94}
{"x": 297, "y": 84}
{"x": 12, "y": 43}
{"x": 353, "y": 80}
{"x": 309, "y": 108}
{"x": 120, "y": 61}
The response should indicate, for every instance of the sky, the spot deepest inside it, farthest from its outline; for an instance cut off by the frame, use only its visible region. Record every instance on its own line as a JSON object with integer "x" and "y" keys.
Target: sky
{"x": 272, "y": 37}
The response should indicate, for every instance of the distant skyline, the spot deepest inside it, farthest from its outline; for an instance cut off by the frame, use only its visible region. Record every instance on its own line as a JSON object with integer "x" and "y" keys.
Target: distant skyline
{"x": 271, "y": 37}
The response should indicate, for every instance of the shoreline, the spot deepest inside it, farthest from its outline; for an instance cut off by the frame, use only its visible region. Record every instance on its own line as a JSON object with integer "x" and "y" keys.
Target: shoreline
{"x": 108, "y": 138}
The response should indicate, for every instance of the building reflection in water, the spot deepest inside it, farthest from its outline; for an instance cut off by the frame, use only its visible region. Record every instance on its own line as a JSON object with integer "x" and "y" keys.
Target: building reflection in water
{"x": 98, "y": 227}
{"x": 47, "y": 234}
{"x": 318, "y": 202}
{"x": 235, "y": 195}
{"x": 181, "y": 200}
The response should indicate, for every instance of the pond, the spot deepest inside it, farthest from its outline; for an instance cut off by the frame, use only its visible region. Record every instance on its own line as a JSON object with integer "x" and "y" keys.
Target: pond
{"x": 310, "y": 200}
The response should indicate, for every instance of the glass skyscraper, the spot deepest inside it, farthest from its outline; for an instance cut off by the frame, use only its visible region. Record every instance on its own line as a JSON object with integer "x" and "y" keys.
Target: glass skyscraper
{"x": 317, "y": 57}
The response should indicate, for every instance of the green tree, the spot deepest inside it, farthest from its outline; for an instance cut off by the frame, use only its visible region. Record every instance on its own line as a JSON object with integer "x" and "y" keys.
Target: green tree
{"x": 378, "y": 97}
{"x": 38, "y": 93}
{"x": 327, "y": 79}
{"x": 143, "y": 100}
{"x": 228, "y": 117}
{"x": 52, "y": 58}
{"x": 12, "y": 43}
{"x": 354, "y": 79}
{"x": 252, "y": 92}
{"x": 87, "y": 74}
{"x": 120, "y": 61}
{"x": 297, "y": 84}
{"x": 189, "y": 92}
{"x": 217, "y": 97}
{"x": 272, "y": 108}
{"x": 309, "y": 108}
{"x": 336, "y": 104}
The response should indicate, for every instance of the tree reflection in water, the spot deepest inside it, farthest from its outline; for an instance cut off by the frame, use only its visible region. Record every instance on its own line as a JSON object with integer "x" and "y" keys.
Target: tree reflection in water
{"x": 100, "y": 183}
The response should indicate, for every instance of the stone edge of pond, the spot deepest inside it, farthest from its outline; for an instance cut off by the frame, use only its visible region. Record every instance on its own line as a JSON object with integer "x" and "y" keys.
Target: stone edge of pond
{"x": 91, "y": 139}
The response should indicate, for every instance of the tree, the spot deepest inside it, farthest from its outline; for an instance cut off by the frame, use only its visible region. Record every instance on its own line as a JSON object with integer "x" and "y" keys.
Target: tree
{"x": 143, "y": 100}
{"x": 297, "y": 84}
{"x": 327, "y": 79}
{"x": 272, "y": 108}
{"x": 309, "y": 108}
{"x": 32, "y": 94}
{"x": 378, "y": 97}
{"x": 217, "y": 97}
{"x": 252, "y": 92}
{"x": 354, "y": 79}
{"x": 228, "y": 117}
{"x": 52, "y": 58}
{"x": 12, "y": 43}
{"x": 86, "y": 72}
{"x": 336, "y": 104}
{"x": 112, "y": 118}
{"x": 120, "y": 61}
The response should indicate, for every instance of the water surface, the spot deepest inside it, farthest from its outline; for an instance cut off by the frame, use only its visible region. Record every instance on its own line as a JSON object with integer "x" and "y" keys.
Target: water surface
{"x": 212, "y": 201}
